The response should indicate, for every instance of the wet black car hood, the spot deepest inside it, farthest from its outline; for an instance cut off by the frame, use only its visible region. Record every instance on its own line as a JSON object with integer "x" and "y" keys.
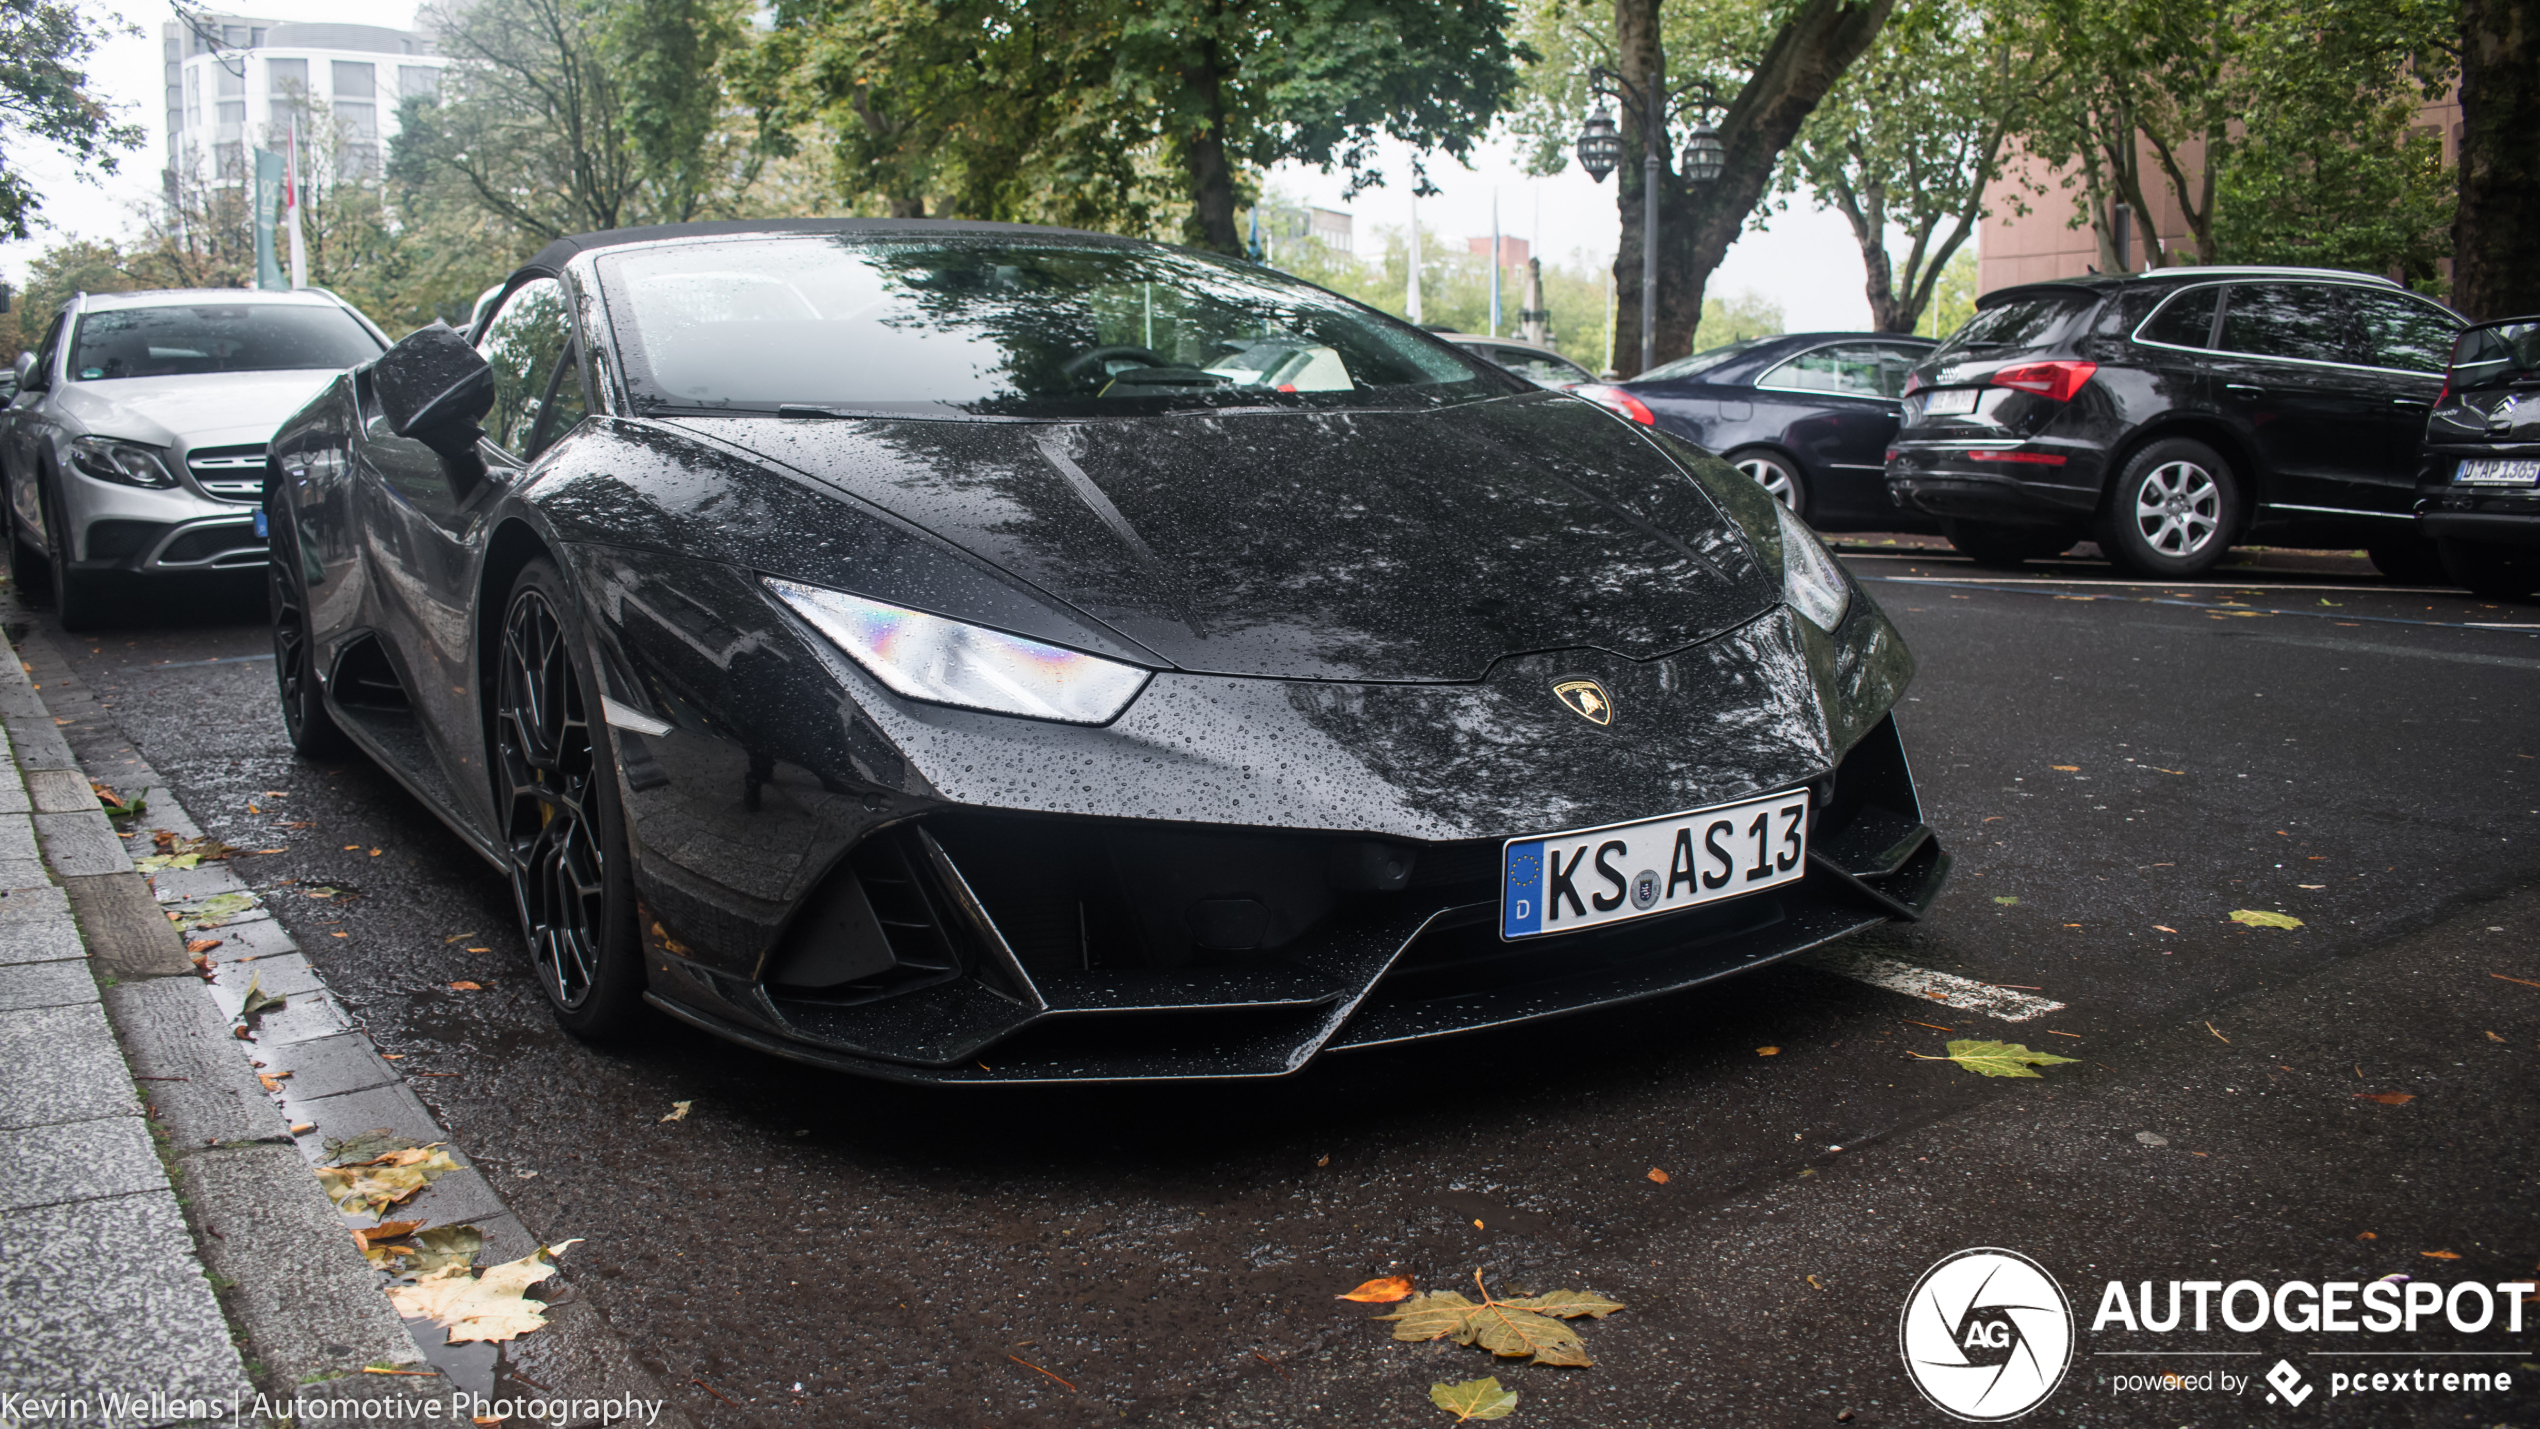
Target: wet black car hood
{"x": 1417, "y": 545}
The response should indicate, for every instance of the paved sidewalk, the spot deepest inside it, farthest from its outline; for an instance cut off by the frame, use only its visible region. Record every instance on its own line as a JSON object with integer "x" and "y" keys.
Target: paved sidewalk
{"x": 100, "y": 1290}
{"x": 264, "y": 1255}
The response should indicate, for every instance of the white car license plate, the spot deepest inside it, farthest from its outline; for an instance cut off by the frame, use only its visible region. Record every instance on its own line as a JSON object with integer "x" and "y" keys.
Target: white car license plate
{"x": 1950, "y": 402}
{"x": 1556, "y": 883}
{"x": 2499, "y": 471}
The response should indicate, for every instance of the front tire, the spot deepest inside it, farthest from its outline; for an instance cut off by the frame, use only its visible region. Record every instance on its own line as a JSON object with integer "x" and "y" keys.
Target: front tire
{"x": 2496, "y": 572}
{"x": 2408, "y": 558}
{"x": 571, "y": 876}
{"x": 2175, "y": 510}
{"x": 305, "y": 718}
{"x": 75, "y": 594}
{"x": 1777, "y": 474}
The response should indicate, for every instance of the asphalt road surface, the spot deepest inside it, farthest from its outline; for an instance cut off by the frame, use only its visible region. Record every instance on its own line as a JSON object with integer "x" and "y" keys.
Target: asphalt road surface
{"x": 2117, "y": 767}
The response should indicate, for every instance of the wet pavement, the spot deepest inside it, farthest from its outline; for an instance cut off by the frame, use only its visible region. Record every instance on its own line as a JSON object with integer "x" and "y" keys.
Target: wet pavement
{"x": 2116, "y": 767}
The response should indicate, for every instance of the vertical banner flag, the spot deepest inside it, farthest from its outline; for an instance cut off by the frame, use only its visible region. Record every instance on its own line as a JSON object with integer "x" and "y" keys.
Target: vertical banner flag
{"x": 291, "y": 205}
{"x": 269, "y": 171}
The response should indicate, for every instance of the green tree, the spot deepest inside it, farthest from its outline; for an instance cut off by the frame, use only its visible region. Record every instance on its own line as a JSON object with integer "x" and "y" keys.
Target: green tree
{"x": 1914, "y": 135}
{"x": 1760, "y": 66}
{"x": 565, "y": 116}
{"x": 45, "y": 46}
{"x": 1130, "y": 110}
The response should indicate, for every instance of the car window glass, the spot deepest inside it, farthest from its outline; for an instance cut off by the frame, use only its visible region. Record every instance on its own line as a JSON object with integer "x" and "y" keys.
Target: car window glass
{"x": 564, "y": 403}
{"x": 1536, "y": 366}
{"x": 1702, "y": 361}
{"x": 2016, "y": 323}
{"x": 1896, "y": 363}
{"x": 1853, "y": 370}
{"x": 2405, "y": 333}
{"x": 44, "y": 352}
{"x": 196, "y": 338}
{"x": 2297, "y": 320}
{"x": 2187, "y": 321}
{"x": 522, "y": 345}
{"x": 2498, "y": 355}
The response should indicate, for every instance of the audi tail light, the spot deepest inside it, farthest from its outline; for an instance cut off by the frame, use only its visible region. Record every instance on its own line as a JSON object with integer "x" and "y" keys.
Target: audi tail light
{"x": 2054, "y": 381}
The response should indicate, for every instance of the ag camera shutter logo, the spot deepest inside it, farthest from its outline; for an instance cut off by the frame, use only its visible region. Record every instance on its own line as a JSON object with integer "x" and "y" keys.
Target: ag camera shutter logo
{"x": 1987, "y": 1334}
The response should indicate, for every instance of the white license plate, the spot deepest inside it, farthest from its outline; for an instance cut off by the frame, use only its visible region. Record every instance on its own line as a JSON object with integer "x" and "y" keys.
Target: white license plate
{"x": 1950, "y": 402}
{"x": 1557, "y": 883}
{"x": 2498, "y": 471}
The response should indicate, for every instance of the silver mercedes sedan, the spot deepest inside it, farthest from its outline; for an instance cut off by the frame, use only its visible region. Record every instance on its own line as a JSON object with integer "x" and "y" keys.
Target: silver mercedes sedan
{"x": 135, "y": 446}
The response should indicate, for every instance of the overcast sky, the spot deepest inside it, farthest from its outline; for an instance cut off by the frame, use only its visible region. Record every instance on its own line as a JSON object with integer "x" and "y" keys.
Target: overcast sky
{"x": 1806, "y": 260}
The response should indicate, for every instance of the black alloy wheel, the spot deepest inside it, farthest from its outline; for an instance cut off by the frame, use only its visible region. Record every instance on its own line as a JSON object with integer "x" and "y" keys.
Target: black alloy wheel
{"x": 566, "y": 839}
{"x": 305, "y": 717}
{"x": 2174, "y": 511}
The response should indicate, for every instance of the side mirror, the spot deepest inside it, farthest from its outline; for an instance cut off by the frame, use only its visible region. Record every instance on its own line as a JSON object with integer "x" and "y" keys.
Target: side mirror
{"x": 434, "y": 388}
{"x": 25, "y": 372}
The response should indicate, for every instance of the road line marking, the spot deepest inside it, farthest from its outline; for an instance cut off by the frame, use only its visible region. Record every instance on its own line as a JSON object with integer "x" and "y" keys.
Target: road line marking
{"x": 2218, "y": 588}
{"x": 1925, "y": 985}
{"x": 2340, "y": 616}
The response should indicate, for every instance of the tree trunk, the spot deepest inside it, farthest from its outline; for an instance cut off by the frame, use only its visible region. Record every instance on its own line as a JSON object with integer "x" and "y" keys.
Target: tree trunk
{"x": 1809, "y": 54}
{"x": 2496, "y": 229}
{"x": 1641, "y": 58}
{"x": 1212, "y": 182}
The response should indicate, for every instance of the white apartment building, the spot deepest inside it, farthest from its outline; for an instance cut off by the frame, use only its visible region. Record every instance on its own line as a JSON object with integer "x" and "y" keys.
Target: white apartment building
{"x": 236, "y": 83}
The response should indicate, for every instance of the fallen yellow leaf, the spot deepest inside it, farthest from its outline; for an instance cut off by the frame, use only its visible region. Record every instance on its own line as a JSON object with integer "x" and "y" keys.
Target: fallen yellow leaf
{"x": 458, "y": 986}
{"x": 2438, "y": 1255}
{"x": 679, "y": 1111}
{"x": 1768, "y": 1051}
{"x": 1383, "y": 1290}
{"x": 1658, "y": 1176}
{"x": 487, "y": 1307}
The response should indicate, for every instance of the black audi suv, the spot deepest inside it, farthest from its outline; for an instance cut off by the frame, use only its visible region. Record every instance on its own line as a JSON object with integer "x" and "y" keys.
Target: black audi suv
{"x": 2478, "y": 486}
{"x": 2175, "y": 413}
{"x": 1808, "y": 415}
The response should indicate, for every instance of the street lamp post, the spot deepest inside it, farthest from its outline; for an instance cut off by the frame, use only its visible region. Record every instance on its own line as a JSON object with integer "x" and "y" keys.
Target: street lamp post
{"x": 1600, "y": 150}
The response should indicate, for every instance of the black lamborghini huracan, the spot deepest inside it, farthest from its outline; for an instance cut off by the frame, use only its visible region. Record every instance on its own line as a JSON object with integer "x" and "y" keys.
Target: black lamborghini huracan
{"x": 962, "y": 652}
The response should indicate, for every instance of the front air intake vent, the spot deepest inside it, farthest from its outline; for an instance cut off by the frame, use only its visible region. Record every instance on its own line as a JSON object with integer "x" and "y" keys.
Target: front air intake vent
{"x": 875, "y": 929}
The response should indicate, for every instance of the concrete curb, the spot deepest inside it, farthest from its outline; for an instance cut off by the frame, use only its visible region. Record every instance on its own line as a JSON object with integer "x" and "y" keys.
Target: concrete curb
{"x": 310, "y": 1307}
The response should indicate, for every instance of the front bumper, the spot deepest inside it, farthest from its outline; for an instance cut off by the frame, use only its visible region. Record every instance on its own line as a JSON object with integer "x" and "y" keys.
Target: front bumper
{"x": 998, "y": 929}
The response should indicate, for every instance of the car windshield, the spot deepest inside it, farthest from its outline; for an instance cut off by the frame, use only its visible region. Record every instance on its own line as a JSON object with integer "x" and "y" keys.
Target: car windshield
{"x": 2496, "y": 356}
{"x": 2019, "y": 323}
{"x": 1699, "y": 362}
{"x": 995, "y": 326}
{"x": 216, "y": 337}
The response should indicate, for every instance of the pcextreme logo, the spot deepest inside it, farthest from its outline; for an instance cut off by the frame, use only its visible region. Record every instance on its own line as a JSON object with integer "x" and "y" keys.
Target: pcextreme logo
{"x": 1987, "y": 1334}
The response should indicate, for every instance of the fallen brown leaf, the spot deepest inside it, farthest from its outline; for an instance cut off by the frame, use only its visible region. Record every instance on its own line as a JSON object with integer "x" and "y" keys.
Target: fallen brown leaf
{"x": 1768, "y": 1051}
{"x": 464, "y": 986}
{"x": 2367, "y": 1235}
{"x": 201, "y": 945}
{"x": 2387, "y": 1098}
{"x": 2439, "y": 1254}
{"x": 1384, "y": 1290}
{"x": 2526, "y": 982}
{"x": 1658, "y": 1176}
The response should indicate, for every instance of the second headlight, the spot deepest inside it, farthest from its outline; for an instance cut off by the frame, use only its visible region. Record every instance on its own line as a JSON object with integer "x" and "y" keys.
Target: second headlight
{"x": 1811, "y": 581}
{"x": 949, "y": 662}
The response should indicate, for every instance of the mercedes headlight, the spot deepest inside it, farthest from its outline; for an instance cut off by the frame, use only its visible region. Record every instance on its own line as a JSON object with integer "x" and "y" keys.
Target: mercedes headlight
{"x": 1811, "y": 582}
{"x": 126, "y": 463}
{"x": 948, "y": 662}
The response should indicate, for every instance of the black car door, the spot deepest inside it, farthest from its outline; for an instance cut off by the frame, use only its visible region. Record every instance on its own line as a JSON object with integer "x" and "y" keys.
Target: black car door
{"x": 424, "y": 531}
{"x": 1842, "y": 403}
{"x": 2284, "y": 375}
{"x": 2406, "y": 349}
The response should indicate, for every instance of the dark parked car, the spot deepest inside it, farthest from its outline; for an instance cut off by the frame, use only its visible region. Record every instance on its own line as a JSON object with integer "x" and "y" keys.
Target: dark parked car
{"x": 1536, "y": 363}
{"x": 2172, "y": 414}
{"x": 1808, "y": 415}
{"x": 967, "y": 652}
{"x": 2478, "y": 489}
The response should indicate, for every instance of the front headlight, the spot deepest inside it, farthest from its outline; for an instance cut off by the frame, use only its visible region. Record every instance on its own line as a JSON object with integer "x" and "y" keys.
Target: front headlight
{"x": 927, "y": 657}
{"x": 1811, "y": 581}
{"x": 127, "y": 463}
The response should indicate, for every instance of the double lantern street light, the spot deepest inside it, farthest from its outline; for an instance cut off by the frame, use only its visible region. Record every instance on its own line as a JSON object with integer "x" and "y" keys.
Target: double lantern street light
{"x": 1600, "y": 150}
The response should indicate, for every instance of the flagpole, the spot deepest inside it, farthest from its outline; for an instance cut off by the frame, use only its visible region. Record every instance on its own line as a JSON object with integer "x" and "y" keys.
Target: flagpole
{"x": 291, "y": 207}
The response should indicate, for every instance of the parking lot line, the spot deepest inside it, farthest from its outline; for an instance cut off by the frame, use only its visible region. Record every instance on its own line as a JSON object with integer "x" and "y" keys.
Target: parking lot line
{"x": 1925, "y": 985}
